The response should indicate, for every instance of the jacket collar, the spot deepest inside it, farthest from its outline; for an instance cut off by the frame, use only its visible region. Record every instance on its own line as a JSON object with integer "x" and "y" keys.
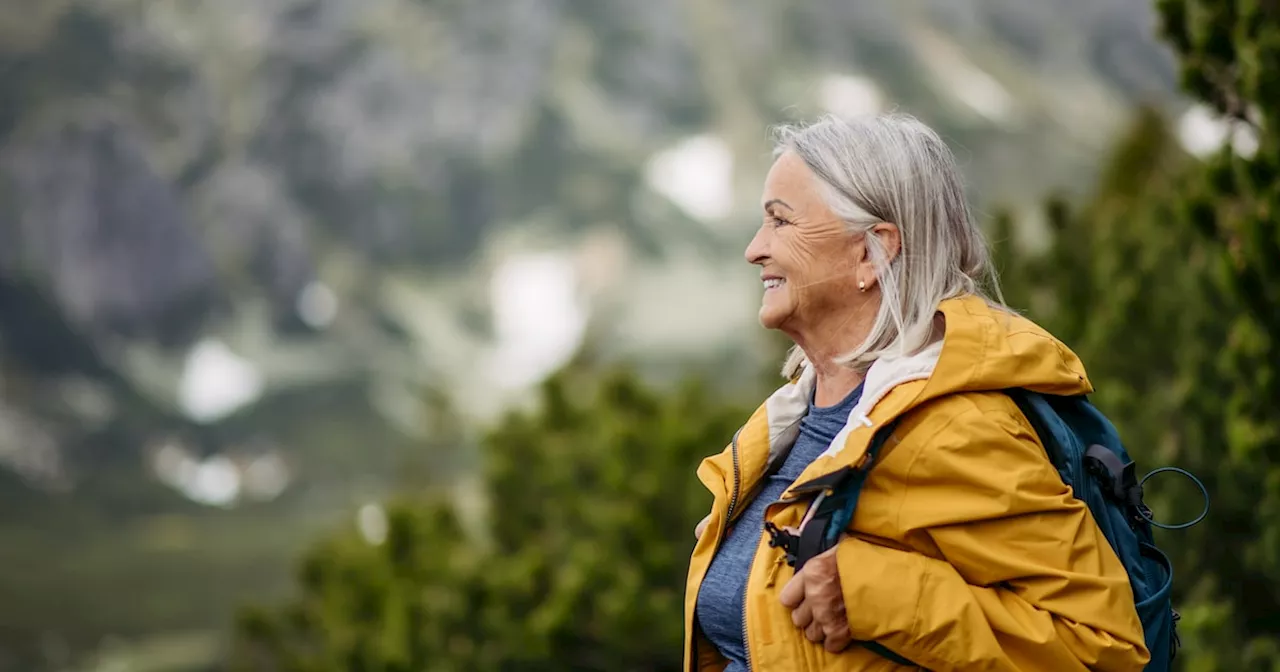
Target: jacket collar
{"x": 983, "y": 348}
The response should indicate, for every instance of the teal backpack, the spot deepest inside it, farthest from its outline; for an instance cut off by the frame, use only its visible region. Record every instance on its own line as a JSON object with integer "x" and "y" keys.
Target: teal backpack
{"x": 1087, "y": 452}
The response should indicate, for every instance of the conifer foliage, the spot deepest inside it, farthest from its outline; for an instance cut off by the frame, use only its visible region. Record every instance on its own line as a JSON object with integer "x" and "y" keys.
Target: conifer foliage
{"x": 1230, "y": 51}
{"x": 580, "y": 565}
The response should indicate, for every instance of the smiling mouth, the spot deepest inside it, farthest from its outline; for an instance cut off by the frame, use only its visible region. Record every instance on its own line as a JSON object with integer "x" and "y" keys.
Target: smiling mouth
{"x": 773, "y": 283}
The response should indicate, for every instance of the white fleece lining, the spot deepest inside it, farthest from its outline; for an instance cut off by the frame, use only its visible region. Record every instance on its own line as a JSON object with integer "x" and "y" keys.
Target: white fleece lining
{"x": 790, "y": 403}
{"x": 784, "y": 409}
{"x": 884, "y": 375}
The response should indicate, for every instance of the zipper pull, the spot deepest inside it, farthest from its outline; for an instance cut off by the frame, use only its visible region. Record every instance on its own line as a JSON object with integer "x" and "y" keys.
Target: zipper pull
{"x": 773, "y": 573}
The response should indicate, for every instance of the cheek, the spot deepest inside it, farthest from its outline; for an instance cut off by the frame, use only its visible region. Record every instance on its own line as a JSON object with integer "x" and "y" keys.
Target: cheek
{"x": 821, "y": 270}
{"x": 798, "y": 253}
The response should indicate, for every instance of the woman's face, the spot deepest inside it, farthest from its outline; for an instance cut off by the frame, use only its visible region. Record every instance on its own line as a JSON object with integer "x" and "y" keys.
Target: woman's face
{"x": 807, "y": 256}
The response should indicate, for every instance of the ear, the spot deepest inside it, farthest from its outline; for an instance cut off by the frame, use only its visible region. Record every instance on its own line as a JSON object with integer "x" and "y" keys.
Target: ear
{"x": 890, "y": 239}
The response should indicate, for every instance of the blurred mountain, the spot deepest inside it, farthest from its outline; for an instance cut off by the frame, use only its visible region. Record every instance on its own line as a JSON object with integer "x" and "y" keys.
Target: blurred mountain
{"x": 165, "y": 162}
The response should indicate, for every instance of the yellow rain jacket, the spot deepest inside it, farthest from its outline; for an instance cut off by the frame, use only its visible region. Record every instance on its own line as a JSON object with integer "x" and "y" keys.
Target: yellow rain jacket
{"x": 967, "y": 551}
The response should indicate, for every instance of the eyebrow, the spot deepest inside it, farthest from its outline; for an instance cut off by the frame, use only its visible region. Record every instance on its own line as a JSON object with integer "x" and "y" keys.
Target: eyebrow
{"x": 778, "y": 201}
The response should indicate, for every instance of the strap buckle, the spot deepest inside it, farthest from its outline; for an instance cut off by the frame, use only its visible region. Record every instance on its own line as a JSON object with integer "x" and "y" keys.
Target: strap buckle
{"x": 780, "y": 538}
{"x": 1120, "y": 479}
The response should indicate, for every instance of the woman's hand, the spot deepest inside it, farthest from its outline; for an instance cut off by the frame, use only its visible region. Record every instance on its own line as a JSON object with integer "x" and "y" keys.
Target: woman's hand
{"x": 817, "y": 602}
{"x": 701, "y": 527}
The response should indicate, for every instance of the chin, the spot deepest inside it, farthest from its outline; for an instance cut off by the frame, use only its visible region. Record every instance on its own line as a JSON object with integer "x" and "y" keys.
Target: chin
{"x": 772, "y": 318}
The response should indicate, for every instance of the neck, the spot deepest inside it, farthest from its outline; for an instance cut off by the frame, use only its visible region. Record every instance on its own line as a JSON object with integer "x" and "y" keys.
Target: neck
{"x": 835, "y": 384}
{"x": 822, "y": 346}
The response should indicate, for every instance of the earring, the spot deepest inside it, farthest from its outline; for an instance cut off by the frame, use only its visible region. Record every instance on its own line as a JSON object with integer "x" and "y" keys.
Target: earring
{"x": 862, "y": 286}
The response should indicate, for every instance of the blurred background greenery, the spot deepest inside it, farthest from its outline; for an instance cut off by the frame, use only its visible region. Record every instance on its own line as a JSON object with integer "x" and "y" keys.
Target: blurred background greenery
{"x": 386, "y": 335}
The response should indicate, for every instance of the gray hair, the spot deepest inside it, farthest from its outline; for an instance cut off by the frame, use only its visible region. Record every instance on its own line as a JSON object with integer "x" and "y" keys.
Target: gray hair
{"x": 893, "y": 168}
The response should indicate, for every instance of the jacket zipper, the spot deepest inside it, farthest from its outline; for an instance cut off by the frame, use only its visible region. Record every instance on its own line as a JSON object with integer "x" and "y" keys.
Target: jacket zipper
{"x": 746, "y": 590}
{"x": 728, "y": 516}
{"x": 737, "y": 483}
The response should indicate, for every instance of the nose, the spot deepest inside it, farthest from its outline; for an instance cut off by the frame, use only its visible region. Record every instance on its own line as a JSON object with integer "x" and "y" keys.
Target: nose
{"x": 758, "y": 249}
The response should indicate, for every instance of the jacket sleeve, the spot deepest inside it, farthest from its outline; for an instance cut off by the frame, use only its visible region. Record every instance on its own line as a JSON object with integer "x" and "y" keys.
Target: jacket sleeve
{"x": 1023, "y": 578}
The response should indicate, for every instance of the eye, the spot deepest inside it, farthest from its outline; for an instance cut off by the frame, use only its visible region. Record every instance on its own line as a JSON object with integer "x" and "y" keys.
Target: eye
{"x": 777, "y": 221}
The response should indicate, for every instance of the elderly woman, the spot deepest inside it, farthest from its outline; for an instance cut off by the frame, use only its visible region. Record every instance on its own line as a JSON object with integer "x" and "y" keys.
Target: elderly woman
{"x": 967, "y": 551}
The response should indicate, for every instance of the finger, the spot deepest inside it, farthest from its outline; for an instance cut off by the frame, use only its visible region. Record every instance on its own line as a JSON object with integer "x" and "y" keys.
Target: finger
{"x": 793, "y": 593}
{"x": 802, "y": 616}
{"x": 814, "y": 632}
{"x": 821, "y": 608}
{"x": 837, "y": 641}
{"x": 834, "y": 627}
{"x": 828, "y": 604}
{"x": 828, "y": 608}
{"x": 701, "y": 527}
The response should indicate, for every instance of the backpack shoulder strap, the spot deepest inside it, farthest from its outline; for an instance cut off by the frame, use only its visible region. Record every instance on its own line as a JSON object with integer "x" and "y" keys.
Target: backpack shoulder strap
{"x": 833, "y": 508}
{"x": 835, "y": 513}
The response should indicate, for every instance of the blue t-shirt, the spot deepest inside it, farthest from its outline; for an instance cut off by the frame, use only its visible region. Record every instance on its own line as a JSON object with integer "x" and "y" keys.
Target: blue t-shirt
{"x": 720, "y": 599}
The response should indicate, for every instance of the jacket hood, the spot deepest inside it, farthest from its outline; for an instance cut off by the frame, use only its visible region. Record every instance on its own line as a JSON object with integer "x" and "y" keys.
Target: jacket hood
{"x": 984, "y": 348}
